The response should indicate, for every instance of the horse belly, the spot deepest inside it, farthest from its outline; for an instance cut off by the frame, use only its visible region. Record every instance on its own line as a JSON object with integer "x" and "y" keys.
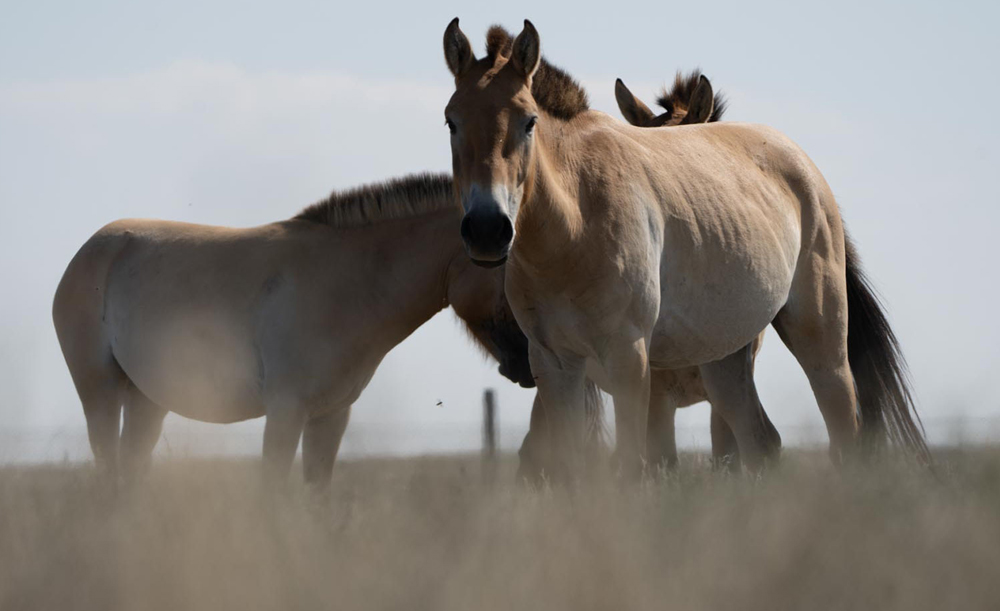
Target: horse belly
{"x": 198, "y": 363}
{"x": 681, "y": 387}
{"x": 701, "y": 322}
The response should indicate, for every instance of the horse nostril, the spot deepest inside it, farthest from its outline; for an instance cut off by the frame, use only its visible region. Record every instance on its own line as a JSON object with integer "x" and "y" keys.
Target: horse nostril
{"x": 466, "y": 228}
{"x": 506, "y": 231}
{"x": 489, "y": 231}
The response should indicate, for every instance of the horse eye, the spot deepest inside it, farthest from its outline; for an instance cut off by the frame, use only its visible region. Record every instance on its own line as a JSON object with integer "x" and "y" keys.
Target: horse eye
{"x": 451, "y": 125}
{"x": 530, "y": 127}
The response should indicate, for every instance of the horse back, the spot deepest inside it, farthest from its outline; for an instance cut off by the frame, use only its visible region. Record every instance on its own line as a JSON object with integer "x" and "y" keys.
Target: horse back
{"x": 733, "y": 209}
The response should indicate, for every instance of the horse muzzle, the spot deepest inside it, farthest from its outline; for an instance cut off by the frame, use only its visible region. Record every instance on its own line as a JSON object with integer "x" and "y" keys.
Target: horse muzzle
{"x": 487, "y": 235}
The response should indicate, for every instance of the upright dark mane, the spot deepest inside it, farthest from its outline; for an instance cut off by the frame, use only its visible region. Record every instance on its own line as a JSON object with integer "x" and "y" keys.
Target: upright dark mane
{"x": 679, "y": 96}
{"x": 398, "y": 198}
{"x": 554, "y": 91}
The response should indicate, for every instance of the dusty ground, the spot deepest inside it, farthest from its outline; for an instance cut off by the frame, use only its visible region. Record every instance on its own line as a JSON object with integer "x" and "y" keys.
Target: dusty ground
{"x": 428, "y": 534}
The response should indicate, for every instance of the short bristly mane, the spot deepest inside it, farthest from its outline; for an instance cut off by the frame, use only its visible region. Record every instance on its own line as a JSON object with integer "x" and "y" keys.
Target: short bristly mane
{"x": 393, "y": 199}
{"x": 554, "y": 91}
{"x": 679, "y": 96}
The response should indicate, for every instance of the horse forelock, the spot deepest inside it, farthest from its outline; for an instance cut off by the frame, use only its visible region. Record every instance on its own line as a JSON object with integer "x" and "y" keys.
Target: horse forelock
{"x": 555, "y": 91}
{"x": 680, "y": 94}
{"x": 499, "y": 43}
{"x": 398, "y": 198}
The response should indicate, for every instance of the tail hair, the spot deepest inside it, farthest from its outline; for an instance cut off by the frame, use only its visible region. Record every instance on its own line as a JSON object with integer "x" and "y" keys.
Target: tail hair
{"x": 885, "y": 400}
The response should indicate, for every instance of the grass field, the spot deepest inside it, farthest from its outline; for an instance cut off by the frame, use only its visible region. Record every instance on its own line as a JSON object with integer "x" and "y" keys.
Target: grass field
{"x": 429, "y": 534}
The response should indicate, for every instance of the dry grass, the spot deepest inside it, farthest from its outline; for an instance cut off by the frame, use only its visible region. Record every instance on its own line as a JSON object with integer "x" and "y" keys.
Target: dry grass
{"x": 427, "y": 534}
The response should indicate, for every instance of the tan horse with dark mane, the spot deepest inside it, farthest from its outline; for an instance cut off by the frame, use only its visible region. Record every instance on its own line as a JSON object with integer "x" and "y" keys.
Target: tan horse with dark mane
{"x": 633, "y": 249}
{"x": 690, "y": 100}
{"x": 288, "y": 320}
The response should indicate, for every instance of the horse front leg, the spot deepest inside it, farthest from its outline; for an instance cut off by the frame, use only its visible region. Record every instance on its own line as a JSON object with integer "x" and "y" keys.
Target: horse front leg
{"x": 531, "y": 455}
{"x": 627, "y": 366}
{"x": 661, "y": 438}
{"x": 561, "y": 417}
{"x": 661, "y": 441}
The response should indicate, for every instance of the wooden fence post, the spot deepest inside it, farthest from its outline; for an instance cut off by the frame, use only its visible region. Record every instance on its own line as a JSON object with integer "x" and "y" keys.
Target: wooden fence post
{"x": 489, "y": 435}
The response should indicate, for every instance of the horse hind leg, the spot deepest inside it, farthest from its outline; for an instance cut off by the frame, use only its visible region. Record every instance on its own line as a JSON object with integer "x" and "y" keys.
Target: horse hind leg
{"x": 283, "y": 427}
{"x": 143, "y": 423}
{"x": 731, "y": 390}
{"x": 321, "y": 438}
{"x": 725, "y": 449}
{"x": 78, "y": 313}
{"x": 813, "y": 325}
{"x": 99, "y": 382}
{"x": 100, "y": 391}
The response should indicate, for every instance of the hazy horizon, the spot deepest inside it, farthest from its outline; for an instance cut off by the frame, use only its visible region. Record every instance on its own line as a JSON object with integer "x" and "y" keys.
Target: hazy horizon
{"x": 241, "y": 114}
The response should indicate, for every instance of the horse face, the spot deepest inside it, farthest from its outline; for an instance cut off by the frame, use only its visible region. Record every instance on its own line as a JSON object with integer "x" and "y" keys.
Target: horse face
{"x": 477, "y": 295}
{"x": 492, "y": 119}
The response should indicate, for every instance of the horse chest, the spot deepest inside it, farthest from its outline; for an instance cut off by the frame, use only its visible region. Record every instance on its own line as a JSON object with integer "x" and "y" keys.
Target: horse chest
{"x": 580, "y": 316}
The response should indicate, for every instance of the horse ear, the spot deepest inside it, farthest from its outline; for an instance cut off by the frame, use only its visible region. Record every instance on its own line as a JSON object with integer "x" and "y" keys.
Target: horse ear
{"x": 457, "y": 50}
{"x": 527, "y": 52}
{"x": 634, "y": 111}
{"x": 702, "y": 103}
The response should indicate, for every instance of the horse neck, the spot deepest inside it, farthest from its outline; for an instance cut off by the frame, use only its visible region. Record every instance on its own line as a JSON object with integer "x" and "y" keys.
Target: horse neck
{"x": 550, "y": 223}
{"x": 435, "y": 243}
{"x": 411, "y": 280}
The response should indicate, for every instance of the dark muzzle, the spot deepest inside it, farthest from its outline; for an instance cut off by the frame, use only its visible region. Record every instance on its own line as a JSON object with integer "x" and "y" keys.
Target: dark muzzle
{"x": 487, "y": 235}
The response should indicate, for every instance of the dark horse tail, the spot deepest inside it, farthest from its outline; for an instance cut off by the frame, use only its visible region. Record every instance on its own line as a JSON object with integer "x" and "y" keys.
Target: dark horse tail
{"x": 880, "y": 374}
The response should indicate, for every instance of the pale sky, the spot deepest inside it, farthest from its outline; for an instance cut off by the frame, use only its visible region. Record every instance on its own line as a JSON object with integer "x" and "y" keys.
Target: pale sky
{"x": 241, "y": 113}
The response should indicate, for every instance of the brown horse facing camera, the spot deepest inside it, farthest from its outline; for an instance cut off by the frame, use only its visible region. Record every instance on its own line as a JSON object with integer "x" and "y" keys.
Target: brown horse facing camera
{"x": 633, "y": 249}
{"x": 690, "y": 100}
